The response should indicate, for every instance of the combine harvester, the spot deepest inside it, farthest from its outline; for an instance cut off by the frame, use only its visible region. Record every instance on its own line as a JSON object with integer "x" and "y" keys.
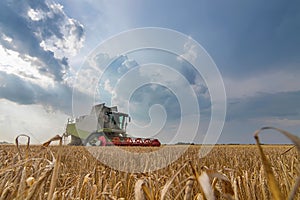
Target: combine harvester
{"x": 105, "y": 126}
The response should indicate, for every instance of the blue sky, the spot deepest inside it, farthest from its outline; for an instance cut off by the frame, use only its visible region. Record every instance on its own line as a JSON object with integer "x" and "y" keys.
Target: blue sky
{"x": 255, "y": 45}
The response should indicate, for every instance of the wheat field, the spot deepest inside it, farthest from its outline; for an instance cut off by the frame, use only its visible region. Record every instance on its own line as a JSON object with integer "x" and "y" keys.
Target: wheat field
{"x": 227, "y": 172}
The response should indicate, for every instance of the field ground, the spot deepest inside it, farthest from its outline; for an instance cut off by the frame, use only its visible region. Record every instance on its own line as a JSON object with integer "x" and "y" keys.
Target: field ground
{"x": 233, "y": 172}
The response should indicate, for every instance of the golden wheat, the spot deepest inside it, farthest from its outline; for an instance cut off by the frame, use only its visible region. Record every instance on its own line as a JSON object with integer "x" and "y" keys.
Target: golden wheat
{"x": 238, "y": 172}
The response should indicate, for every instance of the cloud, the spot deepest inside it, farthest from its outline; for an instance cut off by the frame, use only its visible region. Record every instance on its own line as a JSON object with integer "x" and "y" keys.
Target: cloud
{"x": 247, "y": 38}
{"x": 14, "y": 89}
{"x": 32, "y": 120}
{"x": 190, "y": 52}
{"x": 55, "y": 97}
{"x": 36, "y": 40}
{"x": 125, "y": 71}
{"x": 47, "y": 39}
{"x": 281, "y": 105}
{"x": 280, "y": 80}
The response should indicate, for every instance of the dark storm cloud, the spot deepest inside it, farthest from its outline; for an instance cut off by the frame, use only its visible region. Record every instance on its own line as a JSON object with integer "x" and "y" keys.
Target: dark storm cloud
{"x": 27, "y": 34}
{"x": 151, "y": 94}
{"x": 282, "y": 105}
{"x": 252, "y": 36}
{"x": 243, "y": 37}
{"x": 16, "y": 90}
{"x": 57, "y": 97}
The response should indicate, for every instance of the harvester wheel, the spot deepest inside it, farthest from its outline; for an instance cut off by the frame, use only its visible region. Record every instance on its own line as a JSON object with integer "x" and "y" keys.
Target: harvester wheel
{"x": 96, "y": 139}
{"x": 75, "y": 141}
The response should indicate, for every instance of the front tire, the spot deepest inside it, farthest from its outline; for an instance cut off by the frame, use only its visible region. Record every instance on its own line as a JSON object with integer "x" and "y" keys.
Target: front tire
{"x": 96, "y": 139}
{"x": 75, "y": 141}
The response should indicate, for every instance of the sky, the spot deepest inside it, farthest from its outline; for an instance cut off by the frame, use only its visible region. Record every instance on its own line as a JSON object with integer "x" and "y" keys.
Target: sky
{"x": 45, "y": 44}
